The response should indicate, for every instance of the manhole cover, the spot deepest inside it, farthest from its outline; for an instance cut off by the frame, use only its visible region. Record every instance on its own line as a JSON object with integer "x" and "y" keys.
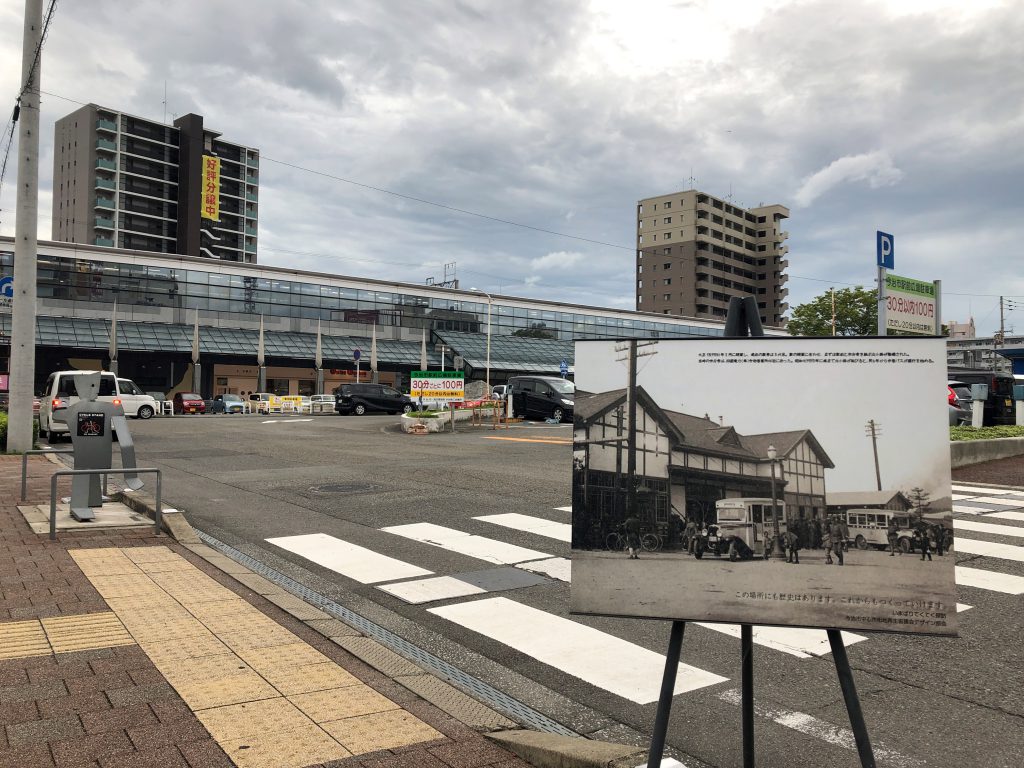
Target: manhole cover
{"x": 331, "y": 488}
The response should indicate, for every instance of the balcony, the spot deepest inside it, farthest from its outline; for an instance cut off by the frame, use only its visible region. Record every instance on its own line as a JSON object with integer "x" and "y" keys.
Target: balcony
{"x": 252, "y": 162}
{"x": 250, "y": 247}
{"x": 104, "y": 223}
{"x": 102, "y": 183}
{"x": 784, "y": 235}
{"x": 105, "y": 164}
{"x": 104, "y": 202}
{"x": 251, "y": 197}
{"x": 250, "y": 179}
{"x": 106, "y": 144}
{"x": 106, "y": 125}
{"x": 107, "y": 241}
{"x": 250, "y": 231}
{"x": 782, "y": 263}
{"x": 783, "y": 250}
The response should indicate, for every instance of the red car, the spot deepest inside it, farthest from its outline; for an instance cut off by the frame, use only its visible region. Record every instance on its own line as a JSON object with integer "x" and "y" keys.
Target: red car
{"x": 189, "y": 402}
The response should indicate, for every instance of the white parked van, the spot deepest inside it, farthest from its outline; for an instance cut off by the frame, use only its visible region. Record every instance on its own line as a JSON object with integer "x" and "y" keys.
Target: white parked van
{"x": 60, "y": 392}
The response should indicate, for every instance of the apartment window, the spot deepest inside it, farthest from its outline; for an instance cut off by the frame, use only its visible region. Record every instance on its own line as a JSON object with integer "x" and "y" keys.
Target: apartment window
{"x": 761, "y": 219}
{"x": 655, "y": 206}
{"x": 666, "y": 266}
{"x": 668, "y": 297}
{"x": 640, "y": 269}
{"x": 664, "y": 311}
{"x": 668, "y": 204}
{"x": 639, "y": 283}
{"x": 639, "y": 299}
{"x": 761, "y": 233}
{"x": 668, "y": 281}
{"x": 668, "y": 219}
{"x": 666, "y": 236}
{"x": 666, "y": 251}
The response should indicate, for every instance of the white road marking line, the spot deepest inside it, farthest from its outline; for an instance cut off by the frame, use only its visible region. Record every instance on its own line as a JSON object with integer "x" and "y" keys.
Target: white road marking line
{"x": 1016, "y": 516}
{"x": 979, "y": 489}
{"x": 429, "y": 590}
{"x": 990, "y": 580}
{"x": 802, "y": 643}
{"x": 961, "y": 497}
{"x": 351, "y": 560}
{"x": 819, "y": 729}
{"x": 564, "y": 509}
{"x": 998, "y": 502}
{"x": 994, "y": 528}
{"x": 490, "y": 550}
{"x": 536, "y": 525}
{"x": 557, "y": 568}
{"x": 971, "y": 509}
{"x": 603, "y": 660}
{"x": 989, "y": 549}
{"x": 961, "y": 607}
{"x": 271, "y": 421}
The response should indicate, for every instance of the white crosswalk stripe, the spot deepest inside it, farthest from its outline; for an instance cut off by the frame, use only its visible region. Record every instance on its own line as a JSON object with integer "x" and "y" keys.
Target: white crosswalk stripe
{"x": 996, "y": 502}
{"x": 351, "y": 560}
{"x": 990, "y": 549}
{"x": 480, "y": 547}
{"x": 802, "y": 643}
{"x": 971, "y": 509}
{"x": 557, "y": 568}
{"x": 430, "y": 590}
{"x": 537, "y": 525}
{"x": 990, "y": 580}
{"x": 1015, "y": 516}
{"x": 605, "y": 661}
{"x": 993, "y": 528}
{"x": 564, "y": 509}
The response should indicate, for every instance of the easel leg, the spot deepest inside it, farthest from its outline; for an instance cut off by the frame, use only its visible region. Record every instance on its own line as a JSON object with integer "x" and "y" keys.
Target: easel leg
{"x": 747, "y": 682}
{"x": 668, "y": 685}
{"x": 860, "y": 729}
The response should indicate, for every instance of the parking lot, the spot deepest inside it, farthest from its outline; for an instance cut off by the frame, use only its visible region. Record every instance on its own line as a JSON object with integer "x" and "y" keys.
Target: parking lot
{"x": 381, "y": 521}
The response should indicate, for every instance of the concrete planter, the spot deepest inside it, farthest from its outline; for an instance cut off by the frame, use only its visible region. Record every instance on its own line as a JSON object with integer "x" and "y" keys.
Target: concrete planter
{"x": 963, "y": 453}
{"x": 411, "y": 423}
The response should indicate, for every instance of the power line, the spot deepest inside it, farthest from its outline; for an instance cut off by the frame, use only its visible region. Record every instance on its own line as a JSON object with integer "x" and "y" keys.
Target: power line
{"x": 455, "y": 209}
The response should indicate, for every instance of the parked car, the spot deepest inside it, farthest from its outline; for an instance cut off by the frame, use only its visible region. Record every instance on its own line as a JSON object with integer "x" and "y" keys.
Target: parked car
{"x": 228, "y": 403}
{"x": 60, "y": 392}
{"x": 498, "y": 391}
{"x": 958, "y": 396}
{"x": 363, "y": 398}
{"x": 999, "y": 407}
{"x": 542, "y": 397}
{"x": 189, "y": 402}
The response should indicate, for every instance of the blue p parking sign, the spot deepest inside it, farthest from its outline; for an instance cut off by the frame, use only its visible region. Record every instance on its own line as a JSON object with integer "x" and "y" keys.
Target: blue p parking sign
{"x": 886, "y": 249}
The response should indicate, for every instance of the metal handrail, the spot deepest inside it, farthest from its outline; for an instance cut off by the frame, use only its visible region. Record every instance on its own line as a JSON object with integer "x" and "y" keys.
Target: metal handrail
{"x": 158, "y": 515}
{"x": 24, "y": 465}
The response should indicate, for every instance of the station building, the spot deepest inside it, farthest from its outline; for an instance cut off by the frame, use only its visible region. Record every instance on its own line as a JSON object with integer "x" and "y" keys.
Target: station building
{"x": 157, "y": 298}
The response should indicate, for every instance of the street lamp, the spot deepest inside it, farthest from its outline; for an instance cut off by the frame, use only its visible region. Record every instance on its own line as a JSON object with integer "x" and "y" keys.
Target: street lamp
{"x": 488, "y": 375}
{"x": 772, "y": 454}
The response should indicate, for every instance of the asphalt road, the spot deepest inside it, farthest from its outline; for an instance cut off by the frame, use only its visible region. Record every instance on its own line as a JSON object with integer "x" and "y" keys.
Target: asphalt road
{"x": 245, "y": 479}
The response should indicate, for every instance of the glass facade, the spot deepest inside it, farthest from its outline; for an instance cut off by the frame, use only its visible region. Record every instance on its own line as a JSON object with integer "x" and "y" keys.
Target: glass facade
{"x": 170, "y": 285}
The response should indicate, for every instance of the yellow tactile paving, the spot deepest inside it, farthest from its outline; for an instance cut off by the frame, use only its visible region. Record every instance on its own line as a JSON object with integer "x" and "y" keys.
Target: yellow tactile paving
{"x": 285, "y": 749}
{"x": 338, "y": 703}
{"x": 268, "y": 698}
{"x": 85, "y": 632}
{"x": 382, "y": 730}
{"x": 294, "y": 654}
{"x": 19, "y": 639}
{"x": 252, "y": 718}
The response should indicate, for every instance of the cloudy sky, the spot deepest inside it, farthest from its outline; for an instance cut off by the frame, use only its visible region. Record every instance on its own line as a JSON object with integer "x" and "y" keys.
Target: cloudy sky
{"x": 900, "y": 115}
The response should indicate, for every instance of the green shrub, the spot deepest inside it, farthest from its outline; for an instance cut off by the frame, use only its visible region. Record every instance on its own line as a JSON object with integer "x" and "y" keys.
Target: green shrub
{"x": 423, "y": 414}
{"x": 985, "y": 433}
{"x": 3, "y": 432}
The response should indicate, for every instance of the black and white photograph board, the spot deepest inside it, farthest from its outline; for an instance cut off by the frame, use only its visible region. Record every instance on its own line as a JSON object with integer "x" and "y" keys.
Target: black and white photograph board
{"x": 778, "y": 481}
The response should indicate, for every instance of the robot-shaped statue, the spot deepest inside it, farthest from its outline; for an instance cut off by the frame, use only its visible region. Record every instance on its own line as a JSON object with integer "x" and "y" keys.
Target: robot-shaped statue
{"x": 91, "y": 425}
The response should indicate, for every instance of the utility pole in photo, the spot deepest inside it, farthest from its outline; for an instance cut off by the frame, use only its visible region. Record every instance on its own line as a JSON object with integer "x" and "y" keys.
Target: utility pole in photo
{"x": 873, "y": 429}
{"x": 630, "y": 348}
{"x": 23, "y": 306}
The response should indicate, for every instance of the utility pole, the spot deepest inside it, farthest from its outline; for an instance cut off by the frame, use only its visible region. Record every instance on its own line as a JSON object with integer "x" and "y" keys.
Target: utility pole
{"x": 26, "y": 249}
{"x": 873, "y": 429}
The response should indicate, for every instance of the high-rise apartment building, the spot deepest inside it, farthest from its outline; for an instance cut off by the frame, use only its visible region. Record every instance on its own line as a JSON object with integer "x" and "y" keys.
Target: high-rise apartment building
{"x": 694, "y": 252}
{"x": 127, "y": 182}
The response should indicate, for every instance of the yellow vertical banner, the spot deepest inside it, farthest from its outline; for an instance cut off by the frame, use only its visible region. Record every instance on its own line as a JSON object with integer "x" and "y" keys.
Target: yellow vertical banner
{"x": 211, "y": 187}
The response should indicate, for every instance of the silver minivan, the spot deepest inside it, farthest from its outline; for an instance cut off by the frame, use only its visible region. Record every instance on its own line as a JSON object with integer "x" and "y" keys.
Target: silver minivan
{"x": 60, "y": 392}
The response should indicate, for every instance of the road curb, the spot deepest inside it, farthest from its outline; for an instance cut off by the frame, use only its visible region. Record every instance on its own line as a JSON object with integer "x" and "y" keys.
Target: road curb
{"x": 549, "y": 750}
{"x": 427, "y": 686}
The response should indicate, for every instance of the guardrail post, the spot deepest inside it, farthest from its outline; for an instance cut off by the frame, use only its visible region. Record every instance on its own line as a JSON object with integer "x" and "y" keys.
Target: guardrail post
{"x": 53, "y": 506}
{"x": 24, "y": 476}
{"x": 158, "y": 516}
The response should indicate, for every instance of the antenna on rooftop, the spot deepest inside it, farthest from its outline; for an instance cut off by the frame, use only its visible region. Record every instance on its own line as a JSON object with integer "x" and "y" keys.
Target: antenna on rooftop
{"x": 449, "y": 281}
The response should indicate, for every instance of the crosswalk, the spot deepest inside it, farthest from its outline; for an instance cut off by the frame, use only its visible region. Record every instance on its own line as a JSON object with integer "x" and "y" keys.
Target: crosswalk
{"x": 471, "y": 601}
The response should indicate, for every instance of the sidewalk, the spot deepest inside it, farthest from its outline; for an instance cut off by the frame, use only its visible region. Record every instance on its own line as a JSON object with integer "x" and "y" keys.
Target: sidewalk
{"x": 121, "y": 648}
{"x": 998, "y": 472}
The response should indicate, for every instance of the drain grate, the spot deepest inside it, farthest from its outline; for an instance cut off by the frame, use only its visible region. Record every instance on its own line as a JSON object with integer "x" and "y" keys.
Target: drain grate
{"x": 478, "y": 688}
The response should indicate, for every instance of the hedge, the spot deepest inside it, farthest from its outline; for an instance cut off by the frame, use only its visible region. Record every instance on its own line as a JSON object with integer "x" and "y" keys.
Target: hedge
{"x": 3, "y": 432}
{"x": 985, "y": 433}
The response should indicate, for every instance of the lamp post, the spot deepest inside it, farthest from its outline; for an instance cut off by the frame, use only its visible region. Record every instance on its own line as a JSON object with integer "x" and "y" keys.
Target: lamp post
{"x": 776, "y": 549}
{"x": 488, "y": 375}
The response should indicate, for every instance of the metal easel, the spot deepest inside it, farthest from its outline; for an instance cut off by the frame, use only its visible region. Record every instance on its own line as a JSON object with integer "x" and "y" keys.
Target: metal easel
{"x": 744, "y": 320}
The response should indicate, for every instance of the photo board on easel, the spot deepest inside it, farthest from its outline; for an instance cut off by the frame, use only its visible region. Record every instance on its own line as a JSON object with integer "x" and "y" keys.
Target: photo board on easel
{"x": 777, "y": 481}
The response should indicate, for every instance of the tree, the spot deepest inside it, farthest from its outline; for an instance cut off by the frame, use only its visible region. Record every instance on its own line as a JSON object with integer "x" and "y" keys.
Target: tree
{"x": 856, "y": 314}
{"x": 920, "y": 502}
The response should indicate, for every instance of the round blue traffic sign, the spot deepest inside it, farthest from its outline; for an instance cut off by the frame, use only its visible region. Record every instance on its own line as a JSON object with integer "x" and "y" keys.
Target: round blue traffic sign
{"x": 356, "y": 354}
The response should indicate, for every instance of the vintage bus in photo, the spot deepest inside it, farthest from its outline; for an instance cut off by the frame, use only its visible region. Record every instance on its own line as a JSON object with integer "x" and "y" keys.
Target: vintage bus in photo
{"x": 750, "y": 519}
{"x": 870, "y": 527}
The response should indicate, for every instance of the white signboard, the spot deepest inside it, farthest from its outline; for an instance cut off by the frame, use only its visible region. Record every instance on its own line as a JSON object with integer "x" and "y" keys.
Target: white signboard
{"x": 911, "y": 306}
{"x": 790, "y": 481}
{"x": 438, "y": 386}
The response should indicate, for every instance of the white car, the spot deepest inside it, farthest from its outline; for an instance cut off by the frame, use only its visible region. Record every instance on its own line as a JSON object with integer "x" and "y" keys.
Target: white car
{"x": 60, "y": 392}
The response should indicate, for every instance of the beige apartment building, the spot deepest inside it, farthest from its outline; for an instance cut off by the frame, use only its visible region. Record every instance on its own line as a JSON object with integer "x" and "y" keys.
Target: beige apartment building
{"x": 694, "y": 252}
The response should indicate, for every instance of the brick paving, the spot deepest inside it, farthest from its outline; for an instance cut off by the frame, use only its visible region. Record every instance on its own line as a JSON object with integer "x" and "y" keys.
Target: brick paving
{"x": 999, "y": 472}
{"x": 111, "y": 707}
